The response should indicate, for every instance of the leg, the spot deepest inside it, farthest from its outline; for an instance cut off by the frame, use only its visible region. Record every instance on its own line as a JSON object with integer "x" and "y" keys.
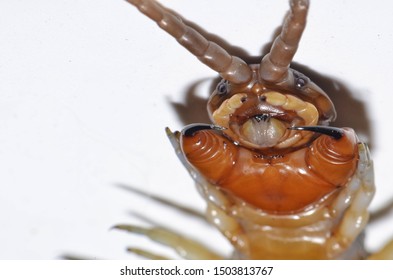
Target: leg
{"x": 386, "y": 253}
{"x": 185, "y": 247}
{"x": 359, "y": 194}
{"x": 146, "y": 254}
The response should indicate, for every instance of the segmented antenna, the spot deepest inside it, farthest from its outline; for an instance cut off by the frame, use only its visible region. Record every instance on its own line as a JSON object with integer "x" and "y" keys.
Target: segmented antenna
{"x": 229, "y": 67}
{"x": 274, "y": 66}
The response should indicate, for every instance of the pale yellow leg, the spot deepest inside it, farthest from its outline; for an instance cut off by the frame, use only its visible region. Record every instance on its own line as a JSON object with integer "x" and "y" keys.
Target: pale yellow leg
{"x": 185, "y": 247}
{"x": 146, "y": 254}
{"x": 359, "y": 194}
{"x": 386, "y": 253}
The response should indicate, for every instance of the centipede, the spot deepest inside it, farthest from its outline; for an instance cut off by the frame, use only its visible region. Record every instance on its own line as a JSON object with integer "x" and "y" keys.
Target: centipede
{"x": 278, "y": 180}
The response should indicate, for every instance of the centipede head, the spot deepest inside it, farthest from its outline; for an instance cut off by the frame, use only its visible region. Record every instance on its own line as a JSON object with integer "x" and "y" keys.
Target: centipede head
{"x": 256, "y": 104}
{"x": 258, "y": 113}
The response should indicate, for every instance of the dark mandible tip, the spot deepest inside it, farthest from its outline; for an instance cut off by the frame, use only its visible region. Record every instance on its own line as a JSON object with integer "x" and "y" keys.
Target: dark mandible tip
{"x": 191, "y": 129}
{"x": 334, "y": 132}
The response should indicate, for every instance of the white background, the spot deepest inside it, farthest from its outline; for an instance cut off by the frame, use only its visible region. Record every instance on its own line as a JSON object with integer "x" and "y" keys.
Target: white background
{"x": 87, "y": 87}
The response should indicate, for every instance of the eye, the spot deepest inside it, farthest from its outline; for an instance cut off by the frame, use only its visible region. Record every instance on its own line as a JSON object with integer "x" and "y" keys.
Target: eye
{"x": 223, "y": 87}
{"x": 300, "y": 82}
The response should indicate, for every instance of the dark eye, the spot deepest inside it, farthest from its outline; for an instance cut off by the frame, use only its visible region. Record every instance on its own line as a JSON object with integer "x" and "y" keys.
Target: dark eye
{"x": 300, "y": 82}
{"x": 223, "y": 87}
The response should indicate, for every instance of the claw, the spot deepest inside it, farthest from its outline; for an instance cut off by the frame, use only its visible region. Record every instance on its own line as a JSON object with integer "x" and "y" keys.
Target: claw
{"x": 334, "y": 132}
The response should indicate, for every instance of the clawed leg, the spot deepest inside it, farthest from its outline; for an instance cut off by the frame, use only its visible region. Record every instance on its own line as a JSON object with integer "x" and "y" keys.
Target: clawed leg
{"x": 184, "y": 247}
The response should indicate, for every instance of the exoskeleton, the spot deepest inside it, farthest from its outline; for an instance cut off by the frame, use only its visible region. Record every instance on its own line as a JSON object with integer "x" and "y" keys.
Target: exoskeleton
{"x": 279, "y": 182}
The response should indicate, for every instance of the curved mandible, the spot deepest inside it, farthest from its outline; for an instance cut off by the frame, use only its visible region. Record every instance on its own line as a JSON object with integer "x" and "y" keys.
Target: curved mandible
{"x": 229, "y": 67}
{"x": 274, "y": 66}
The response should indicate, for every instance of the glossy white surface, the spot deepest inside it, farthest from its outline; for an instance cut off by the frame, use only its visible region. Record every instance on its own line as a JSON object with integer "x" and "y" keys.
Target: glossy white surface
{"x": 86, "y": 89}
